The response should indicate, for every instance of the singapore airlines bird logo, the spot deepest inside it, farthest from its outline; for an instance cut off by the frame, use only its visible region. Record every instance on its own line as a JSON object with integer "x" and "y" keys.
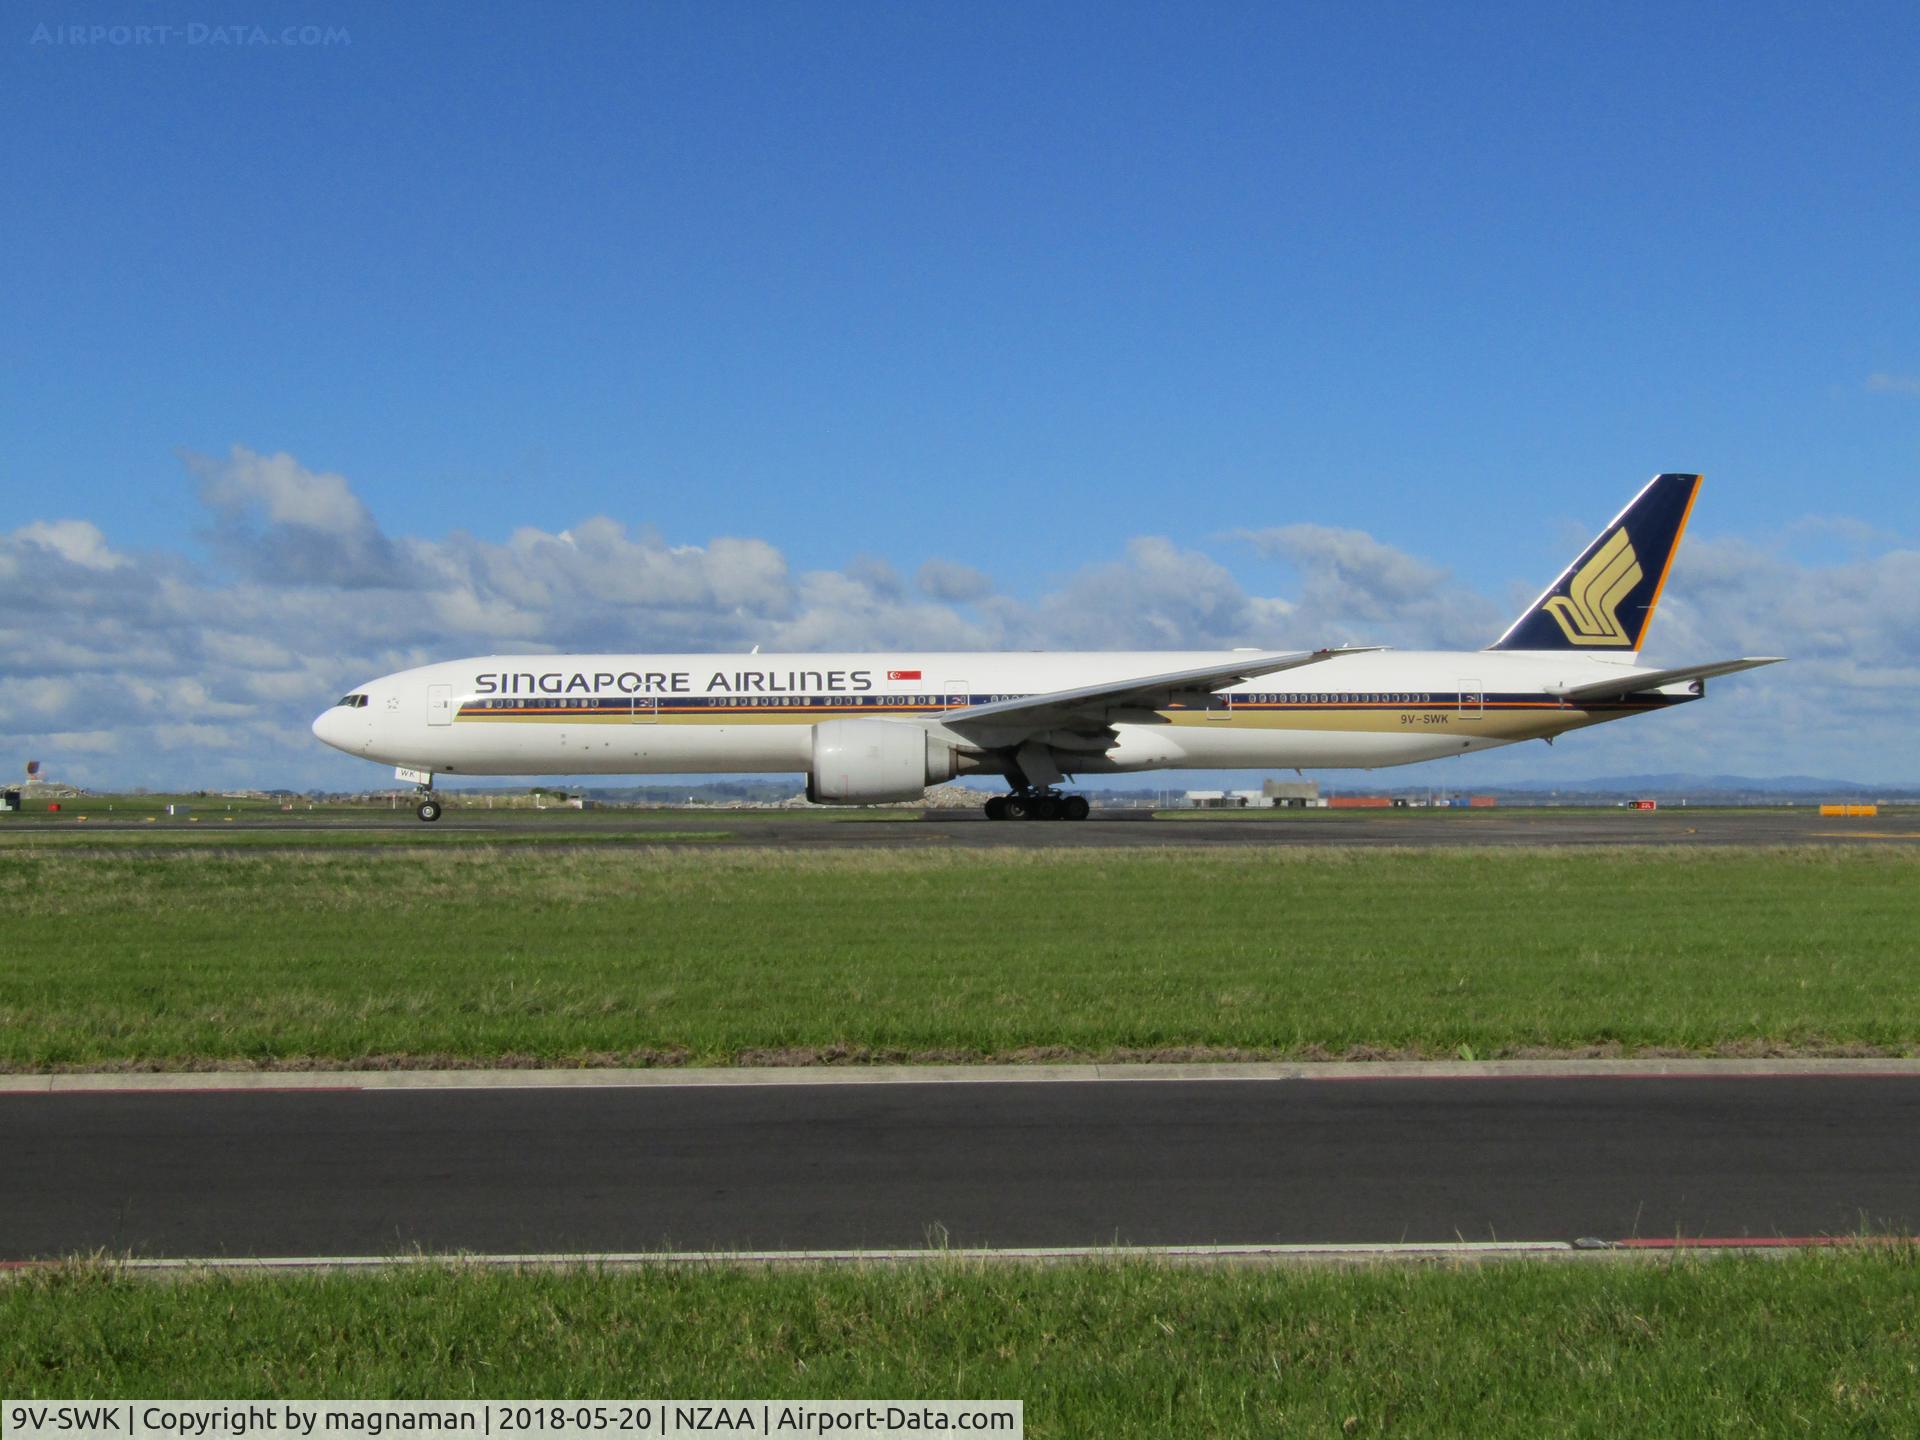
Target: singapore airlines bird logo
{"x": 1587, "y": 613}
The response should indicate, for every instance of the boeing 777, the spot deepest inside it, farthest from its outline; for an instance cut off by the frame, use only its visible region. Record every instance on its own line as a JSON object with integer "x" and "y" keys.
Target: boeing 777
{"x": 871, "y": 728}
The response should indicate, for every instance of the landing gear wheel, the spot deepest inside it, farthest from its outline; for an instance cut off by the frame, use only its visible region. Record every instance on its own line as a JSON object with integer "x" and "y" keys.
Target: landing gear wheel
{"x": 1016, "y": 807}
{"x": 1074, "y": 807}
{"x": 428, "y": 810}
{"x": 1045, "y": 807}
{"x": 997, "y": 808}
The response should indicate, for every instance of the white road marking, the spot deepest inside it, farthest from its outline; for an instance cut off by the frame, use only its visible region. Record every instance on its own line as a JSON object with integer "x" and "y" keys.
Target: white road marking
{"x": 1458, "y": 1251}
{"x": 1438, "y": 1250}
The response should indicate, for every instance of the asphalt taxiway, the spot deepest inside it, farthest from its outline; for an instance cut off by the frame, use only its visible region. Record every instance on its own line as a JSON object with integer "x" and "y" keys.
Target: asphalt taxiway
{"x": 810, "y": 1166}
{"x": 1110, "y": 830}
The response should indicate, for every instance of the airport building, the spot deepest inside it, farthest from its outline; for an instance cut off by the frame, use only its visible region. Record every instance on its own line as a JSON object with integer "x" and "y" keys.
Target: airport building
{"x": 1273, "y": 795}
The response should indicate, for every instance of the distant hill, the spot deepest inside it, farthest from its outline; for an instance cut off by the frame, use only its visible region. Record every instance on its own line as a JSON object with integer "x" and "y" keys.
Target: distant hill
{"x": 1683, "y": 784}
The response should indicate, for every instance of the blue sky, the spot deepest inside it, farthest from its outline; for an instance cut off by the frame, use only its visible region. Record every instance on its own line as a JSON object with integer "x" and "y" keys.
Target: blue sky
{"x": 1004, "y": 291}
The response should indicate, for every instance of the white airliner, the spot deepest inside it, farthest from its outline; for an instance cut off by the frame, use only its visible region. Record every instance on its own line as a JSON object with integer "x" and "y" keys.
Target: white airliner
{"x": 882, "y": 727}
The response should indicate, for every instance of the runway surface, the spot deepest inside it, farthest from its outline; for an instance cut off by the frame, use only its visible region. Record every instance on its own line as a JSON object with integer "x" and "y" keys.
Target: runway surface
{"x": 910, "y": 1165}
{"x": 1125, "y": 829}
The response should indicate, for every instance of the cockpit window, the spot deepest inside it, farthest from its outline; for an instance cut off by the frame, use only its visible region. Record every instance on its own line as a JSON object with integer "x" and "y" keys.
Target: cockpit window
{"x": 353, "y": 702}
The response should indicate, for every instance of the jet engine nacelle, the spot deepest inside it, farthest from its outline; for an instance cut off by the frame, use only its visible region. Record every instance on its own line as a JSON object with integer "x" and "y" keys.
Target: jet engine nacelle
{"x": 867, "y": 762}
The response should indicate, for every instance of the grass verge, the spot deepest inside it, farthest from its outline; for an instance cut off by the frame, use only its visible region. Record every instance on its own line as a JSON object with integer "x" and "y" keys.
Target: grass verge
{"x": 489, "y": 955}
{"x": 1819, "y": 1343}
{"x": 78, "y": 844}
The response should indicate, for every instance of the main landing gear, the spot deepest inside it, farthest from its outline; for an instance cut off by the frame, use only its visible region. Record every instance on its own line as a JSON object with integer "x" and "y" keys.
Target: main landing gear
{"x": 1037, "y": 805}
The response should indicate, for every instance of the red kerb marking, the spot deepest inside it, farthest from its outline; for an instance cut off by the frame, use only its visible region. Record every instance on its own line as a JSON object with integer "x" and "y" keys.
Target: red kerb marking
{"x": 207, "y": 1090}
{"x": 1754, "y": 1242}
{"x": 1360, "y": 1065}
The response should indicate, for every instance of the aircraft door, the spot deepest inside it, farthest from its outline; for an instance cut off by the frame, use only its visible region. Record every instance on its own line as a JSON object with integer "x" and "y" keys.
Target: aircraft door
{"x": 1473, "y": 700}
{"x": 439, "y": 704}
{"x": 955, "y": 697}
{"x": 1220, "y": 705}
{"x": 646, "y": 709}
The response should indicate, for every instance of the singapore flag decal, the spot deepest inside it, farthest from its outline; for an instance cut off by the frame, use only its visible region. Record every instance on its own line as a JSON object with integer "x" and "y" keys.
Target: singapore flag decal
{"x": 903, "y": 674}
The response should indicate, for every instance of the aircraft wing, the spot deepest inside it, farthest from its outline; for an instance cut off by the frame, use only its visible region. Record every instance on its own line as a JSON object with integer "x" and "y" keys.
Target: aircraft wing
{"x": 1654, "y": 679}
{"x": 1088, "y": 705}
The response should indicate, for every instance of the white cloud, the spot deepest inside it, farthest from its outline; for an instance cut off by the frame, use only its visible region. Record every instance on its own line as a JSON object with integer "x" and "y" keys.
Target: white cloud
{"x": 1885, "y": 384}
{"x": 1159, "y": 597}
{"x": 142, "y": 667}
{"x": 283, "y": 489}
{"x": 275, "y": 518}
{"x": 953, "y": 583}
{"x": 79, "y": 542}
{"x": 85, "y": 742}
{"x": 1356, "y": 588}
{"x": 1843, "y": 533}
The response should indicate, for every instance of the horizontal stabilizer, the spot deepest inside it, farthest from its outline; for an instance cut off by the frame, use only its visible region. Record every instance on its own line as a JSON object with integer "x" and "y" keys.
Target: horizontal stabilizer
{"x": 1642, "y": 681}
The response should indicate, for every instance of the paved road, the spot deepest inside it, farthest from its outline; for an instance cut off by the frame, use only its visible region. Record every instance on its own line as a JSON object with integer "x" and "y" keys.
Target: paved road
{"x": 1130, "y": 829}
{"x": 1095, "y": 1163}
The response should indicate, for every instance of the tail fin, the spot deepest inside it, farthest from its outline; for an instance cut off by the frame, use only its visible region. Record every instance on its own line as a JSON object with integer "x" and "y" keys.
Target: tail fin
{"x": 1604, "y": 601}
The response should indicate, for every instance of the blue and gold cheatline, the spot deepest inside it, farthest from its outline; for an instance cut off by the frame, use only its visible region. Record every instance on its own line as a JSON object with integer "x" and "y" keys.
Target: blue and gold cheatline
{"x": 1606, "y": 598}
{"x": 809, "y": 708}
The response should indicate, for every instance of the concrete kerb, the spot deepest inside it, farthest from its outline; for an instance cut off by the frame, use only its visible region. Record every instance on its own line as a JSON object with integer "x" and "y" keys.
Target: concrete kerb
{"x": 482, "y": 1079}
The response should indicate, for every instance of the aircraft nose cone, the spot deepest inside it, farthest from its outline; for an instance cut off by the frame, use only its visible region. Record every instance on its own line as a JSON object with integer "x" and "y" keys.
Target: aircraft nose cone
{"x": 323, "y": 728}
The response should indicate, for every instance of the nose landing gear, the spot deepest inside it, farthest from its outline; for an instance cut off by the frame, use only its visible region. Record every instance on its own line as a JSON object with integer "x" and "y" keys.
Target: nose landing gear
{"x": 1037, "y": 805}
{"x": 426, "y": 807}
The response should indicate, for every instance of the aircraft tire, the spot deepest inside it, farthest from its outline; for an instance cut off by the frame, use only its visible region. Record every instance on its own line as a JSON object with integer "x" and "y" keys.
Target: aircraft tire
{"x": 997, "y": 808}
{"x": 428, "y": 810}
{"x": 1045, "y": 807}
{"x": 1016, "y": 807}
{"x": 1074, "y": 807}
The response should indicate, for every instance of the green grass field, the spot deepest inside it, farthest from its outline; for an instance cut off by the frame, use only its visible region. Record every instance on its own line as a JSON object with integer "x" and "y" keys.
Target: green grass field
{"x": 474, "y": 953}
{"x": 1821, "y": 1343}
